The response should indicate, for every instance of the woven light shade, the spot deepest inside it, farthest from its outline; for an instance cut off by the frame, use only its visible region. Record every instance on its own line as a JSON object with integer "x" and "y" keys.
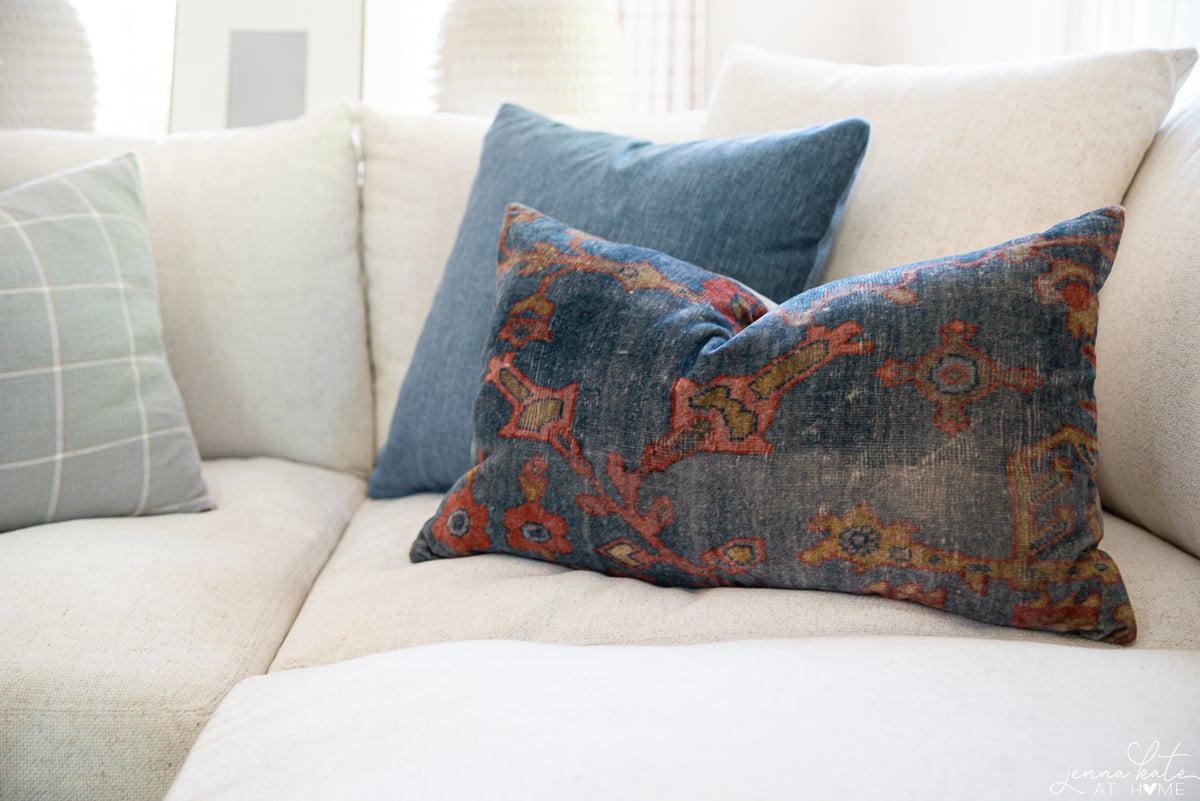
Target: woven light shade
{"x": 46, "y": 74}
{"x": 553, "y": 56}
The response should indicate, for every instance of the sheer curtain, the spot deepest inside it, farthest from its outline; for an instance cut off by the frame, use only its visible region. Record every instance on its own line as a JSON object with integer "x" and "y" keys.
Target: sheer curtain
{"x": 1122, "y": 24}
{"x": 665, "y": 53}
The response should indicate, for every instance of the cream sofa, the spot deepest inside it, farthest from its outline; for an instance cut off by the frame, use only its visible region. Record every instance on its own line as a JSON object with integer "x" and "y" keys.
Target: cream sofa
{"x": 296, "y": 264}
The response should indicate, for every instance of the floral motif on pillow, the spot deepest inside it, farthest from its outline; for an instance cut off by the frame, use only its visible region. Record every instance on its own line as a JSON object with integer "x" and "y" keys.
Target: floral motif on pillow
{"x": 926, "y": 433}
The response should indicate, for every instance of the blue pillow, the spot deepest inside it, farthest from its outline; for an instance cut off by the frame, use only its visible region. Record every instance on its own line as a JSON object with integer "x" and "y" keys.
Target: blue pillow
{"x": 926, "y": 433}
{"x": 758, "y": 208}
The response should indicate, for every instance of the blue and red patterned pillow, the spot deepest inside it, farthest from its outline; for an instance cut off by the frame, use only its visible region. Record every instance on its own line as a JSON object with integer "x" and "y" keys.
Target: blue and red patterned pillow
{"x": 926, "y": 433}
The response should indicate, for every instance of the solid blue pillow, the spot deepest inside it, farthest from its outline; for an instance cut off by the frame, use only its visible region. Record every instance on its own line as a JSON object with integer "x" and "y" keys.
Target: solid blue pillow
{"x": 758, "y": 208}
{"x": 926, "y": 433}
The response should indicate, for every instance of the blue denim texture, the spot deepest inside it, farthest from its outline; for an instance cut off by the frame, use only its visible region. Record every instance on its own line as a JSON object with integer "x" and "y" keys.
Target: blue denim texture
{"x": 926, "y": 433}
{"x": 758, "y": 208}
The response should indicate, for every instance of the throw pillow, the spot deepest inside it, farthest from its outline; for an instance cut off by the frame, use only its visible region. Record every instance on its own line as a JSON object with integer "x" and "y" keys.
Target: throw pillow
{"x": 91, "y": 421}
{"x": 758, "y": 208}
{"x": 961, "y": 156}
{"x": 926, "y": 433}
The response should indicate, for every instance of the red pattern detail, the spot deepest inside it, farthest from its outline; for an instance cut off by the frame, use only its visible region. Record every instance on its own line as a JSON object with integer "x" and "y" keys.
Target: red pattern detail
{"x": 1069, "y": 614}
{"x": 955, "y": 376}
{"x": 731, "y": 414}
{"x": 539, "y": 413}
{"x": 908, "y": 592}
{"x": 737, "y": 555}
{"x": 528, "y": 321}
{"x": 736, "y": 304}
{"x": 462, "y": 524}
{"x": 531, "y": 528}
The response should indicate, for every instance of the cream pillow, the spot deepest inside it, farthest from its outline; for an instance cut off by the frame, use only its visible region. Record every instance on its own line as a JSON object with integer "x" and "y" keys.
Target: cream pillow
{"x": 962, "y": 156}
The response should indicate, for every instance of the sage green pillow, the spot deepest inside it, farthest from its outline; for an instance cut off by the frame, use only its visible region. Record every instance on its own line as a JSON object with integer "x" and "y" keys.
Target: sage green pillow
{"x": 91, "y": 421}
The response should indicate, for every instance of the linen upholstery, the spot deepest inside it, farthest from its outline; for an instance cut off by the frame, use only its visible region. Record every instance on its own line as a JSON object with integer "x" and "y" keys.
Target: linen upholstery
{"x": 255, "y": 238}
{"x": 119, "y": 636}
{"x": 758, "y": 208}
{"x": 961, "y": 156}
{"x": 1148, "y": 382}
{"x": 91, "y": 422}
{"x": 370, "y": 578}
{"x": 887, "y": 717}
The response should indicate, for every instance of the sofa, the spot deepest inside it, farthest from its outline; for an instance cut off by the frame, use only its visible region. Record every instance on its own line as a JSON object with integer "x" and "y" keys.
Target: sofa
{"x": 283, "y": 644}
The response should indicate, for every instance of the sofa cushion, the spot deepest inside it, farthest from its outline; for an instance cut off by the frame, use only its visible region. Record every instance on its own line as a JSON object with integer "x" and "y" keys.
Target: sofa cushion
{"x": 1148, "y": 384}
{"x": 893, "y": 717}
{"x": 371, "y": 597}
{"x": 757, "y": 208}
{"x": 91, "y": 423}
{"x": 119, "y": 636}
{"x": 961, "y": 156}
{"x": 255, "y": 236}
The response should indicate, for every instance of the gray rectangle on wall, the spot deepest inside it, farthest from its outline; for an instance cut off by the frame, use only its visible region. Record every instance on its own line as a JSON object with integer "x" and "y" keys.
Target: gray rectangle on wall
{"x": 266, "y": 76}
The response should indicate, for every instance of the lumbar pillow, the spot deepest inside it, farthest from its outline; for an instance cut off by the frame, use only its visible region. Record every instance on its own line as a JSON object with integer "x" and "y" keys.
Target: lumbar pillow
{"x": 926, "y": 433}
{"x": 757, "y": 208}
{"x": 91, "y": 422}
{"x": 961, "y": 156}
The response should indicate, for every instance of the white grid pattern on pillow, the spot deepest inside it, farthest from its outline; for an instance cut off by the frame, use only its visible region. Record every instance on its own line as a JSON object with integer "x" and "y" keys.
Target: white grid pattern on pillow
{"x": 91, "y": 422}
{"x": 133, "y": 363}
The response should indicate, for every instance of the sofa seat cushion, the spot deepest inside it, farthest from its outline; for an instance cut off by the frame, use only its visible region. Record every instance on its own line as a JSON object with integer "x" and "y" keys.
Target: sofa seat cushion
{"x": 372, "y": 598}
{"x": 119, "y": 636}
{"x": 893, "y": 717}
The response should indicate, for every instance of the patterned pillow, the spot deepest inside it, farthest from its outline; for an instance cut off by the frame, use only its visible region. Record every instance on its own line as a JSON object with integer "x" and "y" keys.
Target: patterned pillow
{"x": 91, "y": 421}
{"x": 926, "y": 433}
{"x": 774, "y": 199}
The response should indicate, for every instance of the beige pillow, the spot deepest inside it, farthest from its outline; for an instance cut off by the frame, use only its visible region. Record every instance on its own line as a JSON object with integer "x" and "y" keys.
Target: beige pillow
{"x": 1148, "y": 344}
{"x": 961, "y": 157}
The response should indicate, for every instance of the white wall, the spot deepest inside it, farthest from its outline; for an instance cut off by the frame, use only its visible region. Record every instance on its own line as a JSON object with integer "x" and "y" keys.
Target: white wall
{"x": 202, "y": 27}
{"x": 891, "y": 31}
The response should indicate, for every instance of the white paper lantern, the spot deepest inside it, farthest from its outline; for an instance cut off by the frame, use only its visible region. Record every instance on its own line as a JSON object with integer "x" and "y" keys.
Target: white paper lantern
{"x": 46, "y": 74}
{"x": 554, "y": 56}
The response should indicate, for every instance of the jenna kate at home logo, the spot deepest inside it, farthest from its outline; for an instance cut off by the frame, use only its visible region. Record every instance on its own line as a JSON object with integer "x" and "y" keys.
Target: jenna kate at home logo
{"x": 1154, "y": 771}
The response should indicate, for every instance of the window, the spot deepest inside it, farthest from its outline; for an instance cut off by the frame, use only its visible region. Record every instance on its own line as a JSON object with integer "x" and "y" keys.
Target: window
{"x": 1122, "y": 24}
{"x": 132, "y": 44}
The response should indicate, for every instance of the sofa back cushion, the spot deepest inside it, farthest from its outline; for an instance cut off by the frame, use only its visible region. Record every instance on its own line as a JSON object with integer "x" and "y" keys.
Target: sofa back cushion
{"x": 1148, "y": 382}
{"x": 254, "y": 234}
{"x": 961, "y": 157}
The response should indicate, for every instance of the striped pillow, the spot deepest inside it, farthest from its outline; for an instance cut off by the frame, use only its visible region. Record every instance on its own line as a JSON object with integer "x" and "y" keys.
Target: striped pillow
{"x": 91, "y": 421}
